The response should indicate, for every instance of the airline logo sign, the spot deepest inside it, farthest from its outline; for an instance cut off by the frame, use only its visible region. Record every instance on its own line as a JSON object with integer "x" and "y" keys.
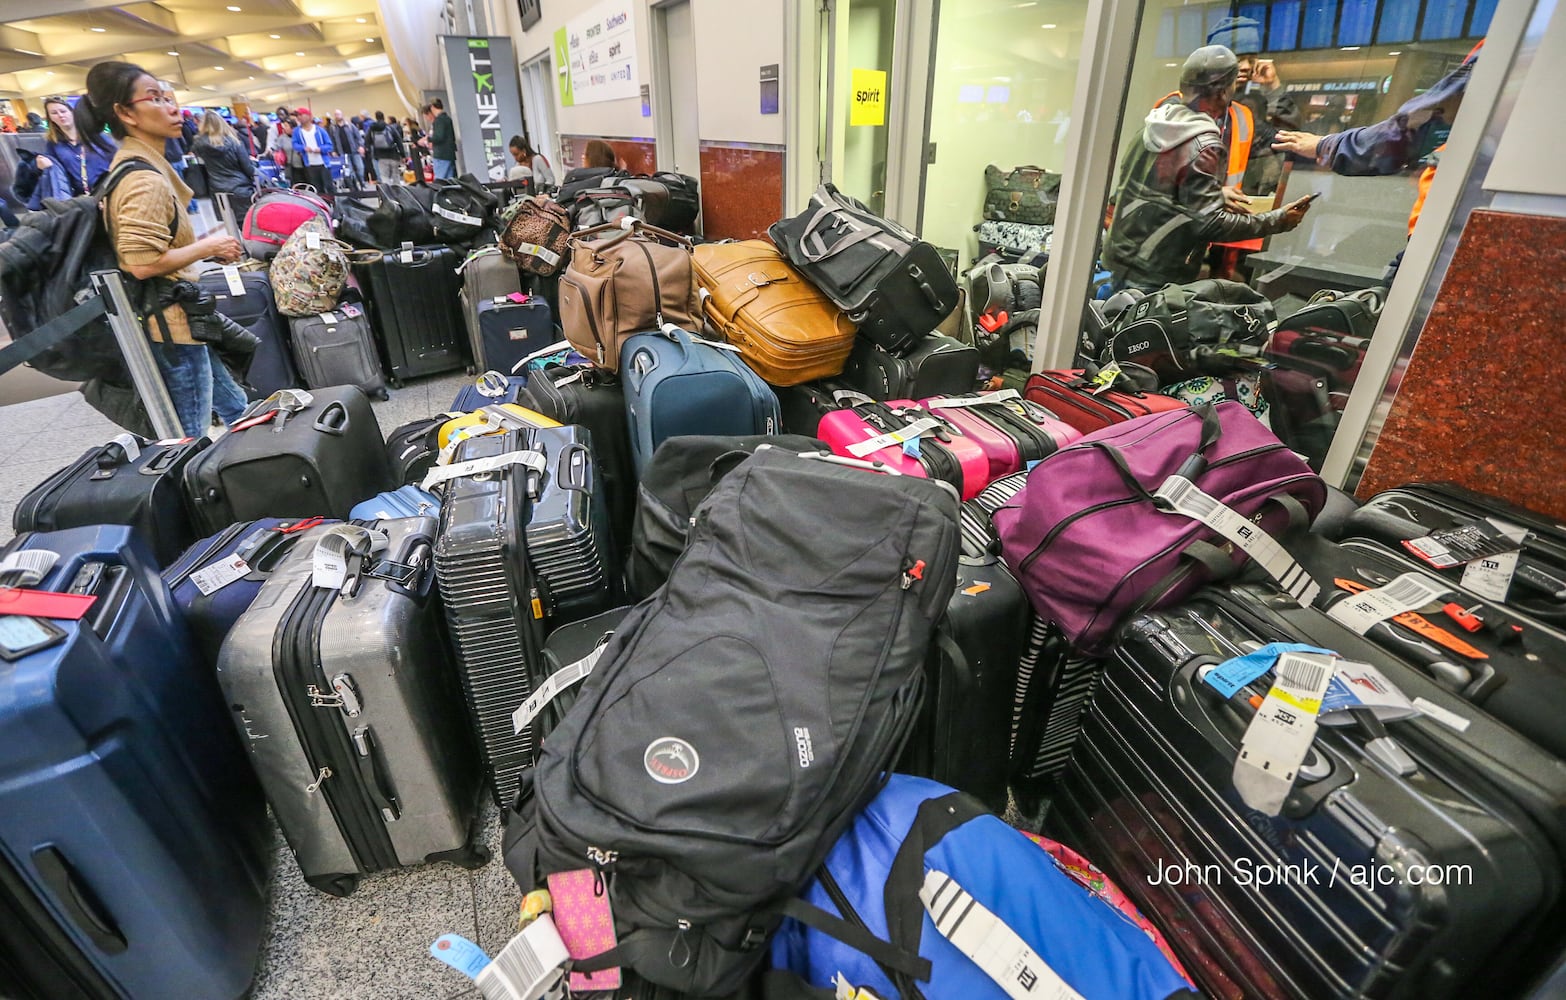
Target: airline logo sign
{"x": 482, "y": 69}
{"x": 484, "y": 101}
{"x": 599, "y": 48}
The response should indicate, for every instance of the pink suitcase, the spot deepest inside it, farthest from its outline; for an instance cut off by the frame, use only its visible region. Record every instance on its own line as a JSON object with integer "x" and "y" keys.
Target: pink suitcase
{"x": 1013, "y": 431}
{"x": 944, "y": 452}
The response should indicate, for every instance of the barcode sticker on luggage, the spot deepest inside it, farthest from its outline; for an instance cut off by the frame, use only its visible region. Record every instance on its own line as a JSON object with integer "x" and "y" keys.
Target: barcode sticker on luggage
{"x": 553, "y": 685}
{"x": 544, "y": 254}
{"x": 998, "y": 396}
{"x": 1181, "y": 496}
{"x": 1280, "y": 733}
{"x": 1362, "y": 612}
{"x": 329, "y": 318}
{"x": 456, "y": 216}
{"x": 528, "y": 967}
{"x": 236, "y": 284}
{"x": 128, "y": 442}
{"x": 880, "y": 441}
{"x": 990, "y": 942}
{"x": 211, "y": 579}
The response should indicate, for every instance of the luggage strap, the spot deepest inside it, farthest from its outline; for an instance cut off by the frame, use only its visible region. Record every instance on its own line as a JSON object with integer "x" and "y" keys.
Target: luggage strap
{"x": 342, "y": 553}
{"x": 28, "y": 346}
{"x": 557, "y": 683}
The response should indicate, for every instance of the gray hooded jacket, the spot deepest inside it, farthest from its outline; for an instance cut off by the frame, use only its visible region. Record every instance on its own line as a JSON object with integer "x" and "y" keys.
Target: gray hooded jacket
{"x": 1169, "y": 205}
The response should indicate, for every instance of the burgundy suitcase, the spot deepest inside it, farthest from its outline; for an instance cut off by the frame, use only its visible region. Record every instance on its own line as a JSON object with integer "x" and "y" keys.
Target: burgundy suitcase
{"x": 1070, "y": 395}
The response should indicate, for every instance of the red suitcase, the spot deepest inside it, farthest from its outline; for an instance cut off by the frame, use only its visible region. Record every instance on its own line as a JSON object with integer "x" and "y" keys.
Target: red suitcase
{"x": 1068, "y": 394}
{"x": 943, "y": 453}
{"x": 1013, "y": 431}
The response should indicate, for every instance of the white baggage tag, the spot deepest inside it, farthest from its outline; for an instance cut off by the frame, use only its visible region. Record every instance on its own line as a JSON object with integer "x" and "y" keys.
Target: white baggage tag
{"x": 1362, "y": 612}
{"x": 236, "y": 284}
{"x": 1179, "y": 495}
{"x": 998, "y": 396}
{"x": 552, "y": 687}
{"x": 132, "y": 449}
{"x": 337, "y": 547}
{"x": 992, "y": 945}
{"x": 329, "y": 318}
{"x": 544, "y": 254}
{"x": 1280, "y": 734}
{"x": 478, "y": 466}
{"x": 529, "y": 967}
{"x": 213, "y": 578}
{"x": 1491, "y": 576}
{"x": 405, "y": 255}
{"x": 880, "y": 441}
{"x": 313, "y": 240}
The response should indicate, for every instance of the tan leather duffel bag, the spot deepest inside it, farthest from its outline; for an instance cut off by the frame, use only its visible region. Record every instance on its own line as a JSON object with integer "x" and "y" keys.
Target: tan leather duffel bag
{"x": 632, "y": 282}
{"x": 785, "y": 329}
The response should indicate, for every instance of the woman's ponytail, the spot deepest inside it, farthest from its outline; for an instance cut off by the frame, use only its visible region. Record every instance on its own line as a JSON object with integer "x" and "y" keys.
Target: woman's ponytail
{"x": 109, "y": 84}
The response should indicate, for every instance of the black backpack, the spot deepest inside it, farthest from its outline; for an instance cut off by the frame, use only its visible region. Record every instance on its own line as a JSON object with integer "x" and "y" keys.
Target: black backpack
{"x": 405, "y": 215}
{"x": 1208, "y": 327}
{"x": 740, "y": 718}
{"x": 46, "y": 292}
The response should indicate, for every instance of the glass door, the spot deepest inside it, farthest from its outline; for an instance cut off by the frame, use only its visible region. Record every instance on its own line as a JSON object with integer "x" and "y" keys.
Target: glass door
{"x": 858, "y": 45}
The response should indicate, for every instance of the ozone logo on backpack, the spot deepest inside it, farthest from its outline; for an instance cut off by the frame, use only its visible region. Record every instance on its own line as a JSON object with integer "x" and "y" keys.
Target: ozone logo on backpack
{"x": 671, "y": 761}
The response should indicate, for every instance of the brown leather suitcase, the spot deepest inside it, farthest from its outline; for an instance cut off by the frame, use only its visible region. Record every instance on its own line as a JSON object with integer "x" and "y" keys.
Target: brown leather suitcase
{"x": 785, "y": 329}
{"x": 633, "y": 282}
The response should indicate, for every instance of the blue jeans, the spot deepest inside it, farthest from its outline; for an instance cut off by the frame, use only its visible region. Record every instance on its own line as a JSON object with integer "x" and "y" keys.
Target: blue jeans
{"x": 444, "y": 169}
{"x": 198, "y": 383}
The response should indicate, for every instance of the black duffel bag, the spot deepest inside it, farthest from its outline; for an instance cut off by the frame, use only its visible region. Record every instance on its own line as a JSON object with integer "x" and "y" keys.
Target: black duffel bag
{"x": 405, "y": 216}
{"x": 462, "y": 209}
{"x": 891, "y": 283}
{"x": 1208, "y": 327}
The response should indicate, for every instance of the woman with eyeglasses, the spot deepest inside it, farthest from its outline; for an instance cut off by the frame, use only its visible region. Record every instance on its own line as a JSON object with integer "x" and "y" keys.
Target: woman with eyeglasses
{"x": 154, "y": 240}
{"x": 82, "y": 163}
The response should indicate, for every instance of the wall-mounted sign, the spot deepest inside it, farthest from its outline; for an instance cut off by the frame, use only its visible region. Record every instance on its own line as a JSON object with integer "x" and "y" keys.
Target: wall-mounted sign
{"x": 769, "y": 89}
{"x": 596, "y": 55}
{"x": 867, "y": 97}
{"x": 531, "y": 11}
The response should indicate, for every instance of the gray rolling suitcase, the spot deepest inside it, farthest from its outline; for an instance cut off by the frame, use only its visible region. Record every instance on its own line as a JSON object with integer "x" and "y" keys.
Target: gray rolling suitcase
{"x": 336, "y": 348}
{"x": 486, "y": 276}
{"x": 493, "y": 602}
{"x": 347, "y": 702}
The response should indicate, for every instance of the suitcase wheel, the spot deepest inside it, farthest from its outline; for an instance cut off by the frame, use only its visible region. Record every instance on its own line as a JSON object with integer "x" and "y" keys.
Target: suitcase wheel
{"x": 334, "y": 885}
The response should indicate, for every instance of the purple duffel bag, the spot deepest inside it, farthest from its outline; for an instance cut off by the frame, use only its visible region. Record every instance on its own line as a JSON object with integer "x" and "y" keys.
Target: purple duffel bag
{"x": 1093, "y": 548}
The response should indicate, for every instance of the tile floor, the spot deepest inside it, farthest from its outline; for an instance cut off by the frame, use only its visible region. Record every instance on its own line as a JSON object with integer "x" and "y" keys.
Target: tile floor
{"x": 375, "y": 943}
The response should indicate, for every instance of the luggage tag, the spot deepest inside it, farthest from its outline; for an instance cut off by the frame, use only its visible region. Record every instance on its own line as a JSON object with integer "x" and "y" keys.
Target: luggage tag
{"x": 520, "y": 298}
{"x": 1362, "y": 612}
{"x": 213, "y": 578}
{"x": 844, "y": 990}
{"x": 480, "y": 466}
{"x": 998, "y": 396}
{"x": 530, "y": 967}
{"x": 1179, "y": 495}
{"x": 312, "y": 240}
{"x": 1452, "y": 547}
{"x": 992, "y": 945}
{"x": 1228, "y": 677}
{"x": 1280, "y": 734}
{"x": 543, "y": 352}
{"x": 1490, "y": 575}
{"x": 909, "y": 433}
{"x": 236, "y": 284}
{"x": 1105, "y": 379}
{"x": 567, "y": 676}
{"x": 45, "y": 604}
{"x": 586, "y": 924}
{"x": 341, "y": 555}
{"x": 26, "y": 568}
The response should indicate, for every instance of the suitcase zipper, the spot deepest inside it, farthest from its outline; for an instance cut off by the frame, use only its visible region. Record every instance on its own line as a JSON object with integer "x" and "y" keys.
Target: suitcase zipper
{"x": 328, "y": 749}
{"x": 657, "y": 292}
{"x": 45, "y": 496}
{"x": 587, "y": 309}
{"x": 839, "y": 899}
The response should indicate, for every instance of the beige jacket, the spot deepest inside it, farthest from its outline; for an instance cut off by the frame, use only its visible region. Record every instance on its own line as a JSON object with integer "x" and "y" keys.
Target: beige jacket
{"x": 138, "y": 216}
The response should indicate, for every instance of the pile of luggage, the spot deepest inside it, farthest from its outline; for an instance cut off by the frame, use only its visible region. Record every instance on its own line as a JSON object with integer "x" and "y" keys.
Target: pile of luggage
{"x": 754, "y": 611}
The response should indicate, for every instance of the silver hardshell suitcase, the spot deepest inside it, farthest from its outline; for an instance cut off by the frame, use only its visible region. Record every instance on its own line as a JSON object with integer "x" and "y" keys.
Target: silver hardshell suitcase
{"x": 568, "y": 530}
{"x": 349, "y": 705}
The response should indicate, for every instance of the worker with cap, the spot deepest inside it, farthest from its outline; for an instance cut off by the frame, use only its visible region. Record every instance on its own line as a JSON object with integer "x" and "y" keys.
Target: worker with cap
{"x": 1170, "y": 202}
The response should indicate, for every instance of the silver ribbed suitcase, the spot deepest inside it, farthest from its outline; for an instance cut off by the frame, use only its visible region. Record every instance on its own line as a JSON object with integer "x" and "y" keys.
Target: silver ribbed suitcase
{"x": 492, "y": 603}
{"x": 349, "y": 705}
{"x": 568, "y": 529}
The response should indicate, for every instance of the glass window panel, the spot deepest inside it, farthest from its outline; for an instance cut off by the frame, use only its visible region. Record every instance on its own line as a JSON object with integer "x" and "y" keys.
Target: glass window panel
{"x": 1320, "y": 18}
{"x": 1484, "y": 10}
{"x": 1398, "y": 19}
{"x": 1357, "y": 22}
{"x": 1283, "y": 30}
{"x": 1193, "y": 30}
{"x": 1443, "y": 19}
{"x": 1166, "y": 35}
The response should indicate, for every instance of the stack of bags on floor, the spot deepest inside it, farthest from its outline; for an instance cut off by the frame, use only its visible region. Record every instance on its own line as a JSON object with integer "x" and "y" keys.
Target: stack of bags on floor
{"x": 685, "y": 651}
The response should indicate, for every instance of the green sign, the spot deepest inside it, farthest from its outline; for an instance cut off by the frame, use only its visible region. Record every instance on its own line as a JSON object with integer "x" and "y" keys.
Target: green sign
{"x": 563, "y": 67}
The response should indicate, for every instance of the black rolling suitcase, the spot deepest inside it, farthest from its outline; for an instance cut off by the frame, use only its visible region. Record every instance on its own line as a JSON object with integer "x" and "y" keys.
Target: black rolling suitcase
{"x": 272, "y": 366}
{"x": 935, "y": 366}
{"x": 1435, "y": 876}
{"x": 1511, "y": 666}
{"x": 567, "y": 646}
{"x": 494, "y": 606}
{"x": 568, "y": 542}
{"x": 320, "y": 460}
{"x": 802, "y": 406}
{"x": 970, "y": 678}
{"x": 594, "y": 399}
{"x": 414, "y": 309}
{"x": 110, "y": 485}
{"x": 1538, "y": 584}
{"x": 413, "y": 447}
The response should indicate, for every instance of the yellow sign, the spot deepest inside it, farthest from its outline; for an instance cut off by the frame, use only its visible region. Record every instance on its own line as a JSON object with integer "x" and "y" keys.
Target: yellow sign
{"x": 867, "y": 98}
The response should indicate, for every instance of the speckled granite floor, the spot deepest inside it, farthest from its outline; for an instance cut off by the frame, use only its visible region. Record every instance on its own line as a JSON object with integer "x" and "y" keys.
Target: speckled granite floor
{"x": 373, "y": 945}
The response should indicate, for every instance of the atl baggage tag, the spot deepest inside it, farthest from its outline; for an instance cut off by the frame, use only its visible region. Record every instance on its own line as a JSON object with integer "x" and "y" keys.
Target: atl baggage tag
{"x": 989, "y": 942}
{"x": 214, "y": 577}
{"x": 998, "y": 396}
{"x": 236, "y": 284}
{"x": 1179, "y": 495}
{"x": 1362, "y": 612}
{"x": 909, "y": 433}
{"x": 1281, "y": 732}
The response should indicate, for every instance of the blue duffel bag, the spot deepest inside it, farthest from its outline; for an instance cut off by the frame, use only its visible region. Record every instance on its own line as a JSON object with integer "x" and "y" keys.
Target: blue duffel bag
{"x": 676, "y": 384}
{"x": 921, "y": 848}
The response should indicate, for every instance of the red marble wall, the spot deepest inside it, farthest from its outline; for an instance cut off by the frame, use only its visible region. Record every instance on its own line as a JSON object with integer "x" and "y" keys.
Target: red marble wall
{"x": 639, "y": 156}
{"x": 741, "y": 189}
{"x": 1483, "y": 401}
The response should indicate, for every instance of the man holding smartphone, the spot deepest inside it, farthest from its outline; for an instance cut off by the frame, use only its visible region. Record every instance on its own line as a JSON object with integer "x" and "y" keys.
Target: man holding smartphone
{"x": 1170, "y": 203}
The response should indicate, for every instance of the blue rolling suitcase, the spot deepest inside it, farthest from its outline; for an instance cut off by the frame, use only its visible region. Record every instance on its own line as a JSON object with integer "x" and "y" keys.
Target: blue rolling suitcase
{"x": 676, "y": 384}
{"x": 490, "y": 388}
{"x": 405, "y": 501}
{"x": 507, "y": 330}
{"x": 134, "y": 843}
{"x": 212, "y": 593}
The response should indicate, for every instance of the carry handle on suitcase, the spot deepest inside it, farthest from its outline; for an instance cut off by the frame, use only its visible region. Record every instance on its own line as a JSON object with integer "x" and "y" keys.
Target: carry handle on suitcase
{"x": 629, "y": 226}
{"x": 334, "y": 420}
